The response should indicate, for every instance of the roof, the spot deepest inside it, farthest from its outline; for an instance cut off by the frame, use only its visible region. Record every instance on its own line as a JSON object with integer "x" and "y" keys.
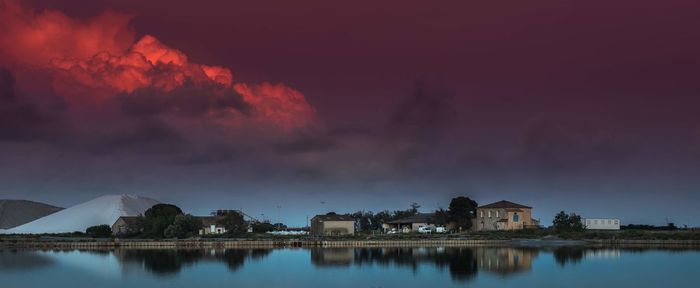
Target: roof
{"x": 418, "y": 218}
{"x": 505, "y": 204}
{"x": 334, "y": 218}
{"x": 209, "y": 220}
{"x": 129, "y": 220}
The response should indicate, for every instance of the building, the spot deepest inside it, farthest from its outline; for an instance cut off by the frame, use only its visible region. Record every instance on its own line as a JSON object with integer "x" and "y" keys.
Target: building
{"x": 210, "y": 225}
{"x": 601, "y": 223}
{"x": 411, "y": 223}
{"x": 127, "y": 225}
{"x": 504, "y": 215}
{"x": 332, "y": 225}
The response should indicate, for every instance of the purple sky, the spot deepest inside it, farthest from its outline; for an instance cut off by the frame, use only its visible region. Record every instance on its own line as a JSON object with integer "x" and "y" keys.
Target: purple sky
{"x": 584, "y": 106}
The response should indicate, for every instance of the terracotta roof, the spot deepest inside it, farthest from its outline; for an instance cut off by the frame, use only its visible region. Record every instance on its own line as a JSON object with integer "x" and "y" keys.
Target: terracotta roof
{"x": 334, "y": 218}
{"x": 418, "y": 218}
{"x": 505, "y": 204}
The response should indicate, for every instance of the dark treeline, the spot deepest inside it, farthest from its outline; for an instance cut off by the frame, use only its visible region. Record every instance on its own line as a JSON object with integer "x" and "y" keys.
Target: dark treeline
{"x": 667, "y": 227}
{"x": 460, "y": 212}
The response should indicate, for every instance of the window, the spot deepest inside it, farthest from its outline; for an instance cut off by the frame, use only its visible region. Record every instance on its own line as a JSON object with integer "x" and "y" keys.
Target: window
{"x": 609, "y": 222}
{"x": 496, "y": 213}
{"x": 489, "y": 213}
{"x": 617, "y": 222}
{"x": 482, "y": 213}
{"x": 515, "y": 217}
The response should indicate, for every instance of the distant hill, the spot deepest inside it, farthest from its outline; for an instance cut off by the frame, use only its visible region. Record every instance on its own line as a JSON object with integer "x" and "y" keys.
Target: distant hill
{"x": 102, "y": 210}
{"x": 17, "y": 212}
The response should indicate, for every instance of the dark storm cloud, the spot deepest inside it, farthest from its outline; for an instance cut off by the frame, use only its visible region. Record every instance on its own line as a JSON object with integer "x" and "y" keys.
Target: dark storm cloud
{"x": 550, "y": 146}
{"x": 547, "y": 102}
{"x": 21, "y": 119}
{"x": 214, "y": 154}
{"x": 313, "y": 141}
{"x": 424, "y": 112}
{"x": 188, "y": 100}
{"x": 418, "y": 125}
{"x": 146, "y": 136}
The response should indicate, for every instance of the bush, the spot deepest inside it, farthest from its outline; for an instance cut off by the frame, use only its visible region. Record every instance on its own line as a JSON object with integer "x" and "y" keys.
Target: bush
{"x": 263, "y": 227}
{"x": 568, "y": 222}
{"x": 158, "y": 218}
{"x": 234, "y": 223}
{"x": 99, "y": 231}
{"x": 183, "y": 226}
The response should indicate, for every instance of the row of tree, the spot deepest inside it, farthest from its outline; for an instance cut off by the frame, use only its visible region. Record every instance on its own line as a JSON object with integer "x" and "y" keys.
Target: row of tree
{"x": 460, "y": 213}
{"x": 168, "y": 221}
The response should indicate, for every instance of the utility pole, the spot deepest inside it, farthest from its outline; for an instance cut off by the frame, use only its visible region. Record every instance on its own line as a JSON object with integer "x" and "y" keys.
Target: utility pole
{"x": 279, "y": 219}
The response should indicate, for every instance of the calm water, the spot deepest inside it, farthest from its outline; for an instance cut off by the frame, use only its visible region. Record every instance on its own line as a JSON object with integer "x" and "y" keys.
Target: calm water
{"x": 353, "y": 267}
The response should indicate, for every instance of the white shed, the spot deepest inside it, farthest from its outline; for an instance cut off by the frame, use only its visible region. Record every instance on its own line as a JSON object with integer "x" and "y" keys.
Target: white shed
{"x": 601, "y": 223}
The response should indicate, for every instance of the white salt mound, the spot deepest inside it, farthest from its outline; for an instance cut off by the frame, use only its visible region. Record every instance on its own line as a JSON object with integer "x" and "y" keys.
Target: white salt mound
{"x": 101, "y": 210}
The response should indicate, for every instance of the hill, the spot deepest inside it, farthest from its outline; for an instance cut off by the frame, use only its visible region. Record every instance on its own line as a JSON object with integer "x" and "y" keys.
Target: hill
{"x": 102, "y": 210}
{"x": 14, "y": 213}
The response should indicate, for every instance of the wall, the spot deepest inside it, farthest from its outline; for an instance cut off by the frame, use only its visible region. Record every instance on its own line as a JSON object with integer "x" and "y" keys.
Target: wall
{"x": 490, "y": 223}
{"x": 319, "y": 227}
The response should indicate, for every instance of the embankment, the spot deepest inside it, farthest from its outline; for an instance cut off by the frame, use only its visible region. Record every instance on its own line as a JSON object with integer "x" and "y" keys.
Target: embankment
{"x": 82, "y": 243}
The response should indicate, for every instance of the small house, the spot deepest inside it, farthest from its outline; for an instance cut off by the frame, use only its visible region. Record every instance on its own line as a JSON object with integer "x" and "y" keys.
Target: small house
{"x": 127, "y": 225}
{"x": 210, "y": 225}
{"x": 411, "y": 223}
{"x": 332, "y": 225}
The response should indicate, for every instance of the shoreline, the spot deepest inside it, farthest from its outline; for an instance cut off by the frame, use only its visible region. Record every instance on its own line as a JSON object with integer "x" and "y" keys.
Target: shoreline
{"x": 71, "y": 243}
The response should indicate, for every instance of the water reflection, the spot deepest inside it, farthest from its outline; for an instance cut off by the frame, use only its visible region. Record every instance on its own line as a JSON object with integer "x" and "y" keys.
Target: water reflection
{"x": 22, "y": 260}
{"x": 463, "y": 263}
{"x": 460, "y": 263}
{"x": 573, "y": 255}
{"x": 166, "y": 262}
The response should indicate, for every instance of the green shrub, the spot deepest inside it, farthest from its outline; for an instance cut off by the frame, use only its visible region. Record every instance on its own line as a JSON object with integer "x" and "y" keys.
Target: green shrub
{"x": 99, "y": 231}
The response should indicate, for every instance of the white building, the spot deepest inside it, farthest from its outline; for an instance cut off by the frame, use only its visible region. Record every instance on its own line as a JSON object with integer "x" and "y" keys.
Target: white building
{"x": 601, "y": 223}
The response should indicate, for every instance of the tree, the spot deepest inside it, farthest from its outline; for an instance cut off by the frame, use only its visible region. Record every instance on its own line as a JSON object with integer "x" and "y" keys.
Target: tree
{"x": 380, "y": 218}
{"x": 461, "y": 211}
{"x": 363, "y": 220}
{"x": 414, "y": 208}
{"x": 183, "y": 226}
{"x": 262, "y": 227}
{"x": 561, "y": 221}
{"x": 99, "y": 231}
{"x": 158, "y": 218}
{"x": 234, "y": 223}
{"x": 442, "y": 216}
{"x": 567, "y": 222}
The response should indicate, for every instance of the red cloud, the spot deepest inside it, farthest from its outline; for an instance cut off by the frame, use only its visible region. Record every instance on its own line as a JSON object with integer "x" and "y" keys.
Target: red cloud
{"x": 31, "y": 37}
{"x": 95, "y": 60}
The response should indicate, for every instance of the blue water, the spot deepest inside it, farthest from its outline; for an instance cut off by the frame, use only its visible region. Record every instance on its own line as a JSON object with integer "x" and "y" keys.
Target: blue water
{"x": 353, "y": 267}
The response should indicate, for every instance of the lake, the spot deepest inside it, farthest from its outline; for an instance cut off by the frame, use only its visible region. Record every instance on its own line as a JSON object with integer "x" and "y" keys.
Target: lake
{"x": 353, "y": 267}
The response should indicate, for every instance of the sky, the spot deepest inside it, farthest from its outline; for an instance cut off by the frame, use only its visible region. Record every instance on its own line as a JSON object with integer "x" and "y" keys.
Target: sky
{"x": 286, "y": 110}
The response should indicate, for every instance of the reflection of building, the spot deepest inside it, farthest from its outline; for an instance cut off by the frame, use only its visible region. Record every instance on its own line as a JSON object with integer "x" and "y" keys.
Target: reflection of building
{"x": 504, "y": 215}
{"x": 601, "y": 223}
{"x": 505, "y": 260}
{"x": 412, "y": 223}
{"x": 332, "y": 256}
{"x": 332, "y": 225}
